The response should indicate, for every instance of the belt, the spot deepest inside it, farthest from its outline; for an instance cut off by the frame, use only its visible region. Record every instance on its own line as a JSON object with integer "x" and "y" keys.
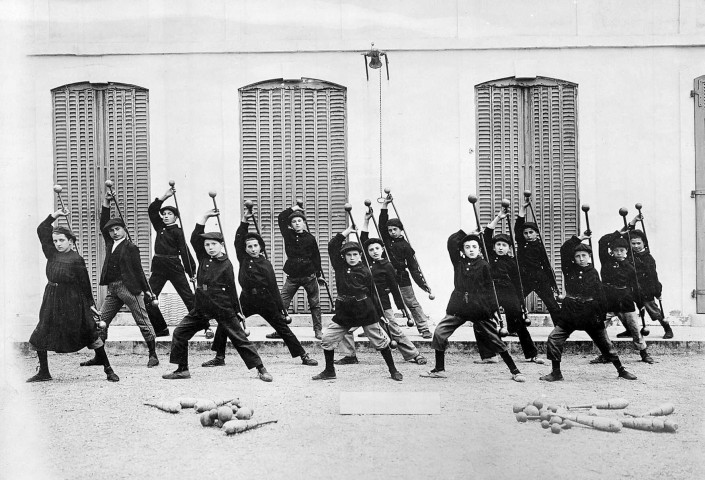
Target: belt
{"x": 350, "y": 298}
{"x": 161, "y": 255}
{"x": 580, "y": 298}
{"x": 204, "y": 288}
{"x": 615, "y": 286}
{"x": 299, "y": 259}
{"x": 53, "y": 284}
{"x": 258, "y": 291}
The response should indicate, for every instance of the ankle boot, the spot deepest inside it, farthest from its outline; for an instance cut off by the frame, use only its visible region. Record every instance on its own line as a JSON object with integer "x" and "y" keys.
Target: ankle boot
{"x": 153, "y": 360}
{"x": 668, "y": 333}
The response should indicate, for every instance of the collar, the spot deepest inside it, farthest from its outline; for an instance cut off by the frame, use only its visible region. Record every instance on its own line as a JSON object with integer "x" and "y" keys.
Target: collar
{"x": 115, "y": 245}
{"x": 222, "y": 258}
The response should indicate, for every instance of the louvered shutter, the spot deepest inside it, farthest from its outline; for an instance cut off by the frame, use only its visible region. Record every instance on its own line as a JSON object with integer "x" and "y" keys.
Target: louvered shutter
{"x": 699, "y": 194}
{"x": 74, "y": 126}
{"x": 293, "y": 136}
{"x": 527, "y": 139}
{"x": 101, "y": 132}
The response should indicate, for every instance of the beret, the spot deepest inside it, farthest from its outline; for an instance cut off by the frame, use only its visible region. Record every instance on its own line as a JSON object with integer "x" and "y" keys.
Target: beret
{"x": 173, "y": 210}
{"x": 212, "y": 236}
{"x": 395, "y": 222}
{"x": 113, "y": 222}
{"x": 347, "y": 246}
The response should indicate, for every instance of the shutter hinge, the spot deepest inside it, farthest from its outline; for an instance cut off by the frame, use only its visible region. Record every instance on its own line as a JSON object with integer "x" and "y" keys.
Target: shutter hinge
{"x": 692, "y": 94}
{"x": 695, "y": 293}
{"x": 695, "y": 193}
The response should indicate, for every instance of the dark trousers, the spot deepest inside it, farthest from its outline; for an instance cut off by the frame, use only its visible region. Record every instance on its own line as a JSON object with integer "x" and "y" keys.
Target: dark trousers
{"x": 484, "y": 329}
{"x": 543, "y": 289}
{"x": 196, "y": 321}
{"x": 168, "y": 270}
{"x": 263, "y": 306}
{"x": 509, "y": 301}
{"x": 559, "y": 335}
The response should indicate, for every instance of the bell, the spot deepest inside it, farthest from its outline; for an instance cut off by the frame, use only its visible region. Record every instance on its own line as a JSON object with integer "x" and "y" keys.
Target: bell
{"x": 375, "y": 62}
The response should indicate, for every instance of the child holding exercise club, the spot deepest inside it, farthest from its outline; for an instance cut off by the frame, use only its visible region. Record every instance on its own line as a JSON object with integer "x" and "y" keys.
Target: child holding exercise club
{"x": 354, "y": 306}
{"x": 171, "y": 255}
{"x": 216, "y": 297}
{"x": 584, "y": 308}
{"x": 66, "y": 322}
{"x": 260, "y": 294}
{"x": 122, "y": 273}
{"x": 621, "y": 289}
{"x": 472, "y": 300}
{"x": 385, "y": 280}
{"x": 534, "y": 267}
{"x": 509, "y": 290}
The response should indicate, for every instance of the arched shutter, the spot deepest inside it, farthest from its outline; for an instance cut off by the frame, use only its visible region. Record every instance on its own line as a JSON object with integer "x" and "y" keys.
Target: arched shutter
{"x": 293, "y": 135}
{"x": 101, "y": 132}
{"x": 527, "y": 140}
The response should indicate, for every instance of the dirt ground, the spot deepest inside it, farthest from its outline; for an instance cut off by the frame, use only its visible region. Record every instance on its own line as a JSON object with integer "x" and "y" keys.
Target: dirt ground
{"x": 81, "y": 426}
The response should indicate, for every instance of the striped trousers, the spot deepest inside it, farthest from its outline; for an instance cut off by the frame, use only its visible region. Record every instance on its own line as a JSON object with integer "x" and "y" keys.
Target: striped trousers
{"x": 119, "y": 295}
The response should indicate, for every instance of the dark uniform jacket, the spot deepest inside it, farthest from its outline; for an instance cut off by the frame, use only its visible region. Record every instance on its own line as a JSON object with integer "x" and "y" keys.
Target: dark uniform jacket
{"x": 618, "y": 278}
{"x": 302, "y": 255}
{"x": 122, "y": 264}
{"x": 401, "y": 255}
{"x": 170, "y": 240}
{"x": 533, "y": 260}
{"x": 256, "y": 274}
{"x": 385, "y": 278}
{"x": 585, "y": 304}
{"x": 473, "y": 295}
{"x": 354, "y": 306}
{"x": 216, "y": 293}
{"x": 503, "y": 267}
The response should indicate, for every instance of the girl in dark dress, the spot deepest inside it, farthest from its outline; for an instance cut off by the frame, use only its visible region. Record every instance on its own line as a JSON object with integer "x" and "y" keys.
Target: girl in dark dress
{"x": 66, "y": 321}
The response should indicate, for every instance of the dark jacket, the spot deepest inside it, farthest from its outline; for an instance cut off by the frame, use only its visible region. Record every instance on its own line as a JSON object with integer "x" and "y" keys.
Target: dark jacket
{"x": 170, "y": 238}
{"x": 256, "y": 275}
{"x": 503, "y": 267}
{"x": 302, "y": 255}
{"x": 354, "y": 306}
{"x": 618, "y": 278}
{"x": 473, "y": 295}
{"x": 127, "y": 258}
{"x": 585, "y": 303}
{"x": 401, "y": 255}
{"x": 533, "y": 259}
{"x": 645, "y": 265}
{"x": 216, "y": 293}
{"x": 385, "y": 278}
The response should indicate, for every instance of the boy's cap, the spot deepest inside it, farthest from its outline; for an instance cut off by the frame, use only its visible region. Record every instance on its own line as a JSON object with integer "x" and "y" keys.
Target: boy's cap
{"x": 173, "y": 210}
{"x": 370, "y": 241}
{"x": 212, "y": 236}
{"x": 297, "y": 213}
{"x": 582, "y": 248}
{"x": 252, "y": 235}
{"x": 395, "y": 222}
{"x": 347, "y": 246}
{"x": 530, "y": 225}
{"x": 467, "y": 238}
{"x": 113, "y": 222}
{"x": 501, "y": 237}
{"x": 619, "y": 242}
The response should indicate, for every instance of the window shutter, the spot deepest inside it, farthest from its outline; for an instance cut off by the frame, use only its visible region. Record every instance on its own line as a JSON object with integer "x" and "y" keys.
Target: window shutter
{"x": 75, "y": 168}
{"x": 293, "y": 136}
{"x": 101, "y": 132}
{"x": 527, "y": 139}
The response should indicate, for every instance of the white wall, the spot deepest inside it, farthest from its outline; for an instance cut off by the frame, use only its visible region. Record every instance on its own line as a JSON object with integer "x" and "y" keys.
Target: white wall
{"x": 635, "y": 115}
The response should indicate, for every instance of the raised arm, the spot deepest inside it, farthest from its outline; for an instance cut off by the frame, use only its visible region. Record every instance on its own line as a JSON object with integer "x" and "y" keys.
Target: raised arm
{"x": 197, "y": 242}
{"x": 44, "y": 233}
{"x": 603, "y": 246}
{"x": 454, "y": 244}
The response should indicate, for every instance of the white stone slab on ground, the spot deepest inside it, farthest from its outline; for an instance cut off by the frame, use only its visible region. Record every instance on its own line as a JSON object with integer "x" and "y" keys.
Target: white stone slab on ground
{"x": 390, "y": 403}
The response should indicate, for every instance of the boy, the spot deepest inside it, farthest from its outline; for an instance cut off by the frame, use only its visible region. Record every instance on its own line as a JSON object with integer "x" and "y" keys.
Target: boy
{"x": 583, "y": 308}
{"x": 619, "y": 280}
{"x": 403, "y": 260}
{"x": 354, "y": 306}
{"x": 648, "y": 278}
{"x": 385, "y": 279}
{"x": 169, "y": 247}
{"x": 473, "y": 301}
{"x": 216, "y": 297}
{"x": 536, "y": 272}
{"x": 508, "y": 286}
{"x": 260, "y": 294}
{"x": 303, "y": 264}
{"x": 122, "y": 273}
